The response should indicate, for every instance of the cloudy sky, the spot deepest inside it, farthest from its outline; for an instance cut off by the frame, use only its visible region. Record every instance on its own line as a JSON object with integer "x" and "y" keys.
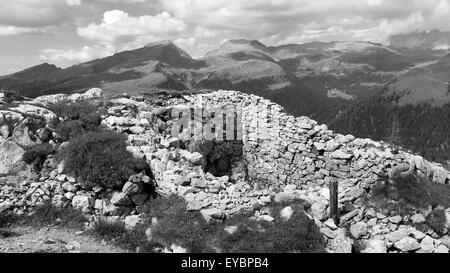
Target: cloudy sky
{"x": 66, "y": 32}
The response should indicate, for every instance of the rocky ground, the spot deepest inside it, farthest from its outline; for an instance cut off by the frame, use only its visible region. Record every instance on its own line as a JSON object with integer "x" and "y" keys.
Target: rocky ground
{"x": 296, "y": 161}
{"x": 52, "y": 240}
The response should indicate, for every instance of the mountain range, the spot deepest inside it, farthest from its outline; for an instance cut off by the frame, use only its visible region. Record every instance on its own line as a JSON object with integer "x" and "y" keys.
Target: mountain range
{"x": 363, "y": 88}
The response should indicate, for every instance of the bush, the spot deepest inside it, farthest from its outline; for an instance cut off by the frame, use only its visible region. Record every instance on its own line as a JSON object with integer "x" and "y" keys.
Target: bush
{"x": 101, "y": 159}
{"x": 38, "y": 151}
{"x": 79, "y": 118}
{"x": 404, "y": 194}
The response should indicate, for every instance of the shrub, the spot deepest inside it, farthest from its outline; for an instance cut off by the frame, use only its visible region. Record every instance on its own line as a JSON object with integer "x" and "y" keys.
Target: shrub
{"x": 404, "y": 194}
{"x": 38, "y": 151}
{"x": 79, "y": 118}
{"x": 101, "y": 159}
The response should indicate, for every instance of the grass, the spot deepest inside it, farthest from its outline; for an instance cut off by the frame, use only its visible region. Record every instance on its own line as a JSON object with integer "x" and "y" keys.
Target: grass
{"x": 403, "y": 195}
{"x": 46, "y": 215}
{"x": 188, "y": 229}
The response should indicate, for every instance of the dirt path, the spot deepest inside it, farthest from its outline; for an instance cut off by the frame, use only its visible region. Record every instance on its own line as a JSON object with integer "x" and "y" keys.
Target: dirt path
{"x": 53, "y": 240}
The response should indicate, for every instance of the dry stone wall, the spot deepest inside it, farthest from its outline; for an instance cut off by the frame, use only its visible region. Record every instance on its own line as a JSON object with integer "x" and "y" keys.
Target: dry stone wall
{"x": 281, "y": 149}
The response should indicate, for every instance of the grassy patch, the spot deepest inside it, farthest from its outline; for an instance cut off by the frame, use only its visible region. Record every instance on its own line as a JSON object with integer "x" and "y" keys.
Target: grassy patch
{"x": 188, "y": 229}
{"x": 403, "y": 194}
{"x": 46, "y": 215}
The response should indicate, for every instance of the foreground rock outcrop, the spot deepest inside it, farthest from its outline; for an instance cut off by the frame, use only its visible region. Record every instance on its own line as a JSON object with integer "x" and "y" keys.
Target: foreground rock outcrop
{"x": 250, "y": 155}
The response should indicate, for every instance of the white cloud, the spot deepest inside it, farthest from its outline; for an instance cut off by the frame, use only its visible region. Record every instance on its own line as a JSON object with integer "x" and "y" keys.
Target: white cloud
{"x": 118, "y": 27}
{"x": 282, "y": 20}
{"x": 87, "y": 53}
{"x": 11, "y": 30}
{"x": 32, "y": 13}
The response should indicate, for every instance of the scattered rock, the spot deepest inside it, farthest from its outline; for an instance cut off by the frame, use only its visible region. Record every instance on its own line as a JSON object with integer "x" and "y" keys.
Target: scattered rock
{"x": 407, "y": 244}
{"x": 358, "y": 230}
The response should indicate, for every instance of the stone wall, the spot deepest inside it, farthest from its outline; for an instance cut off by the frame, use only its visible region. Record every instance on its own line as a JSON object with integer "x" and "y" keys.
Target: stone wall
{"x": 281, "y": 149}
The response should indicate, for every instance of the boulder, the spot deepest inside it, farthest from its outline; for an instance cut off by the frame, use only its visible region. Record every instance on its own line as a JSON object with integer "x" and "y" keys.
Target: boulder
{"x": 319, "y": 210}
{"x": 358, "y": 230}
{"x": 120, "y": 199}
{"x": 375, "y": 246}
{"x": 133, "y": 188}
{"x": 11, "y": 158}
{"x": 341, "y": 243}
{"x": 85, "y": 203}
{"x": 212, "y": 214}
{"x": 407, "y": 244}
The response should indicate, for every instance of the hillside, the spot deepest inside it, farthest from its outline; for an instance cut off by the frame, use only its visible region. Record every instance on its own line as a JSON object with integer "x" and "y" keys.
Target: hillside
{"x": 322, "y": 80}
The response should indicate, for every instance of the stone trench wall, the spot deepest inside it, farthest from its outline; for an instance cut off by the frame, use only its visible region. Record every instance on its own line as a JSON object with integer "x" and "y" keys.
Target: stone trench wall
{"x": 281, "y": 149}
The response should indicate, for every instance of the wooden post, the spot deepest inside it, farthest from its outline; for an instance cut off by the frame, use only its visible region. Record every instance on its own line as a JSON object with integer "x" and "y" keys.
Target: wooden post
{"x": 334, "y": 210}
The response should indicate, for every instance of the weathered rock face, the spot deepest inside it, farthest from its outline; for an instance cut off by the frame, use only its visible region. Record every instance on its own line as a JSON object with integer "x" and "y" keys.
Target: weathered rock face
{"x": 11, "y": 158}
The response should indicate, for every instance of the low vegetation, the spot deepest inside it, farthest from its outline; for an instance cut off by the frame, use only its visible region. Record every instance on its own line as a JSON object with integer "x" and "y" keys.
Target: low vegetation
{"x": 404, "y": 195}
{"x": 78, "y": 118}
{"x": 100, "y": 159}
{"x": 37, "y": 154}
{"x": 45, "y": 215}
{"x": 190, "y": 230}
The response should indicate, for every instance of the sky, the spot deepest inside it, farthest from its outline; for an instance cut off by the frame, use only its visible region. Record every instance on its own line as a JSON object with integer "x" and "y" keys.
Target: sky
{"x": 67, "y": 32}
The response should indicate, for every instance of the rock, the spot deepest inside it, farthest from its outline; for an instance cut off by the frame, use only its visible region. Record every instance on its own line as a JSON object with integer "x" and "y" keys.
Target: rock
{"x": 395, "y": 219}
{"x": 358, "y": 230}
{"x": 341, "y": 243}
{"x": 417, "y": 218}
{"x": 132, "y": 221}
{"x": 284, "y": 197}
{"x": 286, "y": 213}
{"x": 171, "y": 142}
{"x": 5, "y": 206}
{"x": 120, "y": 199}
{"x": 407, "y": 244}
{"x": 339, "y": 154}
{"x": 231, "y": 229}
{"x": 85, "y": 203}
{"x": 212, "y": 214}
{"x": 68, "y": 187}
{"x": 370, "y": 213}
{"x": 319, "y": 210}
{"x": 93, "y": 93}
{"x": 445, "y": 240}
{"x": 196, "y": 158}
{"x": 328, "y": 232}
{"x": 11, "y": 158}
{"x": 398, "y": 235}
{"x": 133, "y": 188}
{"x": 330, "y": 223}
{"x": 348, "y": 216}
{"x": 73, "y": 245}
{"x": 427, "y": 245}
{"x": 375, "y": 246}
{"x": 441, "y": 249}
{"x": 69, "y": 195}
{"x": 266, "y": 218}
